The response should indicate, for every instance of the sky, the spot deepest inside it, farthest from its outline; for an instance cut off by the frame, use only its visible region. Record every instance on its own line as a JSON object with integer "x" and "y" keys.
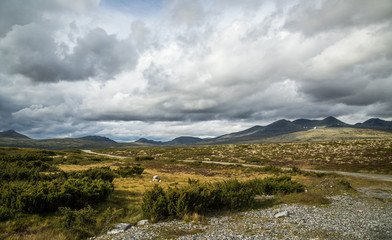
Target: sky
{"x": 166, "y": 68}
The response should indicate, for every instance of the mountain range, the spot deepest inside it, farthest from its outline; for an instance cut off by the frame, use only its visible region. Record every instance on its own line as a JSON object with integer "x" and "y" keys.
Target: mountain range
{"x": 279, "y": 131}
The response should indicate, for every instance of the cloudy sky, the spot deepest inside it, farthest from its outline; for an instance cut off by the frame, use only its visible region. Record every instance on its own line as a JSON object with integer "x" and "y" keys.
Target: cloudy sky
{"x": 166, "y": 68}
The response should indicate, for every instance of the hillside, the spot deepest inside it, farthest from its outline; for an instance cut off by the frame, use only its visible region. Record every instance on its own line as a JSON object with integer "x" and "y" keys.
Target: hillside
{"x": 326, "y": 135}
{"x": 12, "y": 134}
{"x": 97, "y": 139}
{"x": 281, "y": 127}
{"x": 89, "y": 142}
{"x": 375, "y": 123}
{"x": 184, "y": 141}
{"x": 300, "y": 130}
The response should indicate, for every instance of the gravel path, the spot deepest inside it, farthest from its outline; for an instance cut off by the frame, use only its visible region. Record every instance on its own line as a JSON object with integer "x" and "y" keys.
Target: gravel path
{"x": 103, "y": 154}
{"x": 348, "y": 217}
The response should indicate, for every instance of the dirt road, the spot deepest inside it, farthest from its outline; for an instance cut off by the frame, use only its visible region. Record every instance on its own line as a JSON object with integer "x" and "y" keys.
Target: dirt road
{"x": 103, "y": 154}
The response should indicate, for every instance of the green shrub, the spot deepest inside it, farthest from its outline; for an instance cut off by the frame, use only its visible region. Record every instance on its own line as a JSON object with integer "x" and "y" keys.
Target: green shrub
{"x": 344, "y": 183}
{"x": 81, "y": 222}
{"x": 129, "y": 171}
{"x": 272, "y": 169}
{"x": 270, "y": 186}
{"x": 6, "y": 213}
{"x": 103, "y": 173}
{"x": 236, "y": 195}
{"x": 202, "y": 198}
{"x": 40, "y": 197}
{"x": 154, "y": 204}
{"x": 143, "y": 158}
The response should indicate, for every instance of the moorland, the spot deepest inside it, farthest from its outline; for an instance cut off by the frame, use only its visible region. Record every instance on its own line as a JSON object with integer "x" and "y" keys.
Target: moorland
{"x": 71, "y": 194}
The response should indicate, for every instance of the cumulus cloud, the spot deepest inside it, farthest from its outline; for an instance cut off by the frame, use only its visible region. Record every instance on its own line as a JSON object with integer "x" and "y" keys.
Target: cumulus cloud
{"x": 31, "y": 51}
{"x": 313, "y": 17}
{"x": 191, "y": 64}
{"x": 20, "y": 12}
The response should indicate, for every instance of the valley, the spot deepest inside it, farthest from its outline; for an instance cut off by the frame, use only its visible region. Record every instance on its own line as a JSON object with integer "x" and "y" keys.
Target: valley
{"x": 180, "y": 166}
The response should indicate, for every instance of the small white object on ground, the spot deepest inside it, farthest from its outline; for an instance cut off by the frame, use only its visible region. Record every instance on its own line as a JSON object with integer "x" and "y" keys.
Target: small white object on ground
{"x": 282, "y": 214}
{"x": 142, "y": 222}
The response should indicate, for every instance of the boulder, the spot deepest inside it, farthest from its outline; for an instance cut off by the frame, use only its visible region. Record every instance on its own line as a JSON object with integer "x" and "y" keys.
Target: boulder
{"x": 282, "y": 214}
{"x": 119, "y": 228}
{"x": 142, "y": 222}
{"x": 156, "y": 179}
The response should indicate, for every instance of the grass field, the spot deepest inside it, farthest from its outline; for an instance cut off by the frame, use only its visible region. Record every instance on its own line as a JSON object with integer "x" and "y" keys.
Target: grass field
{"x": 123, "y": 204}
{"x": 364, "y": 155}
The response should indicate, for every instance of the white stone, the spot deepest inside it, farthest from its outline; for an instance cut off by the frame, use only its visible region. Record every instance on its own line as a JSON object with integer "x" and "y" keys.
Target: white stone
{"x": 156, "y": 179}
{"x": 142, "y": 222}
{"x": 282, "y": 214}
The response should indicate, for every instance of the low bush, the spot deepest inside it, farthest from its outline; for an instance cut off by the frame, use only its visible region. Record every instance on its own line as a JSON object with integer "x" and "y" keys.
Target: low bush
{"x": 86, "y": 222}
{"x": 201, "y": 198}
{"x": 271, "y": 186}
{"x": 143, "y": 158}
{"x": 6, "y": 213}
{"x": 80, "y": 222}
{"x": 48, "y": 196}
{"x": 129, "y": 171}
{"x": 272, "y": 169}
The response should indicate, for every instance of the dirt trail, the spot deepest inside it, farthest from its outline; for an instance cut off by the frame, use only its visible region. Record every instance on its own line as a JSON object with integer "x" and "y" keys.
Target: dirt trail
{"x": 103, "y": 154}
{"x": 379, "y": 177}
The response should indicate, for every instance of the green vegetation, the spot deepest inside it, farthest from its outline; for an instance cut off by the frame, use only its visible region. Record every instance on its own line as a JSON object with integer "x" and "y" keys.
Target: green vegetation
{"x": 362, "y": 155}
{"x": 31, "y": 183}
{"x": 202, "y": 198}
{"x": 74, "y": 195}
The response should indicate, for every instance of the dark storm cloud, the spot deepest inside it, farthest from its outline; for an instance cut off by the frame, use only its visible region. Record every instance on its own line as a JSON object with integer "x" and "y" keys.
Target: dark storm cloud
{"x": 22, "y": 12}
{"x": 16, "y": 12}
{"x": 31, "y": 51}
{"x": 100, "y": 55}
{"x": 192, "y": 65}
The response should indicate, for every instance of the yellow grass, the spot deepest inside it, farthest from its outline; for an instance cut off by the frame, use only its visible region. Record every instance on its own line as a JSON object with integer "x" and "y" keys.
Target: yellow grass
{"x": 73, "y": 167}
{"x": 329, "y": 134}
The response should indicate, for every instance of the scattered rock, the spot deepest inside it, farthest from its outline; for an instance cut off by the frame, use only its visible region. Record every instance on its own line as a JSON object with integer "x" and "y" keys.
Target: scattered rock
{"x": 380, "y": 192}
{"x": 282, "y": 214}
{"x": 143, "y": 222}
{"x": 156, "y": 179}
{"x": 119, "y": 228}
{"x": 347, "y": 217}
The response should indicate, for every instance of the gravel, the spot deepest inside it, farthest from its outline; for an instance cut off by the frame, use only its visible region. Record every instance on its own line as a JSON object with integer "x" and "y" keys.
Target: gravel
{"x": 347, "y": 217}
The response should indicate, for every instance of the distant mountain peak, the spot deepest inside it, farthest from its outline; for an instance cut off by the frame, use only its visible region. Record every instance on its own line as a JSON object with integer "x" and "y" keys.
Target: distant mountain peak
{"x": 147, "y": 141}
{"x": 97, "y": 139}
{"x": 183, "y": 140}
{"x": 331, "y": 118}
{"x": 12, "y": 134}
{"x": 376, "y": 123}
{"x": 374, "y": 120}
{"x": 332, "y": 122}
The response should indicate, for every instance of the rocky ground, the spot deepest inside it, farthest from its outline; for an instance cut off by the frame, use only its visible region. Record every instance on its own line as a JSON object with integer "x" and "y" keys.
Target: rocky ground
{"x": 347, "y": 217}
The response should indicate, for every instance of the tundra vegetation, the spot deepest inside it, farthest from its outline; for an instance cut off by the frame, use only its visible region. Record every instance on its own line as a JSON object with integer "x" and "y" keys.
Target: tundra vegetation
{"x": 74, "y": 195}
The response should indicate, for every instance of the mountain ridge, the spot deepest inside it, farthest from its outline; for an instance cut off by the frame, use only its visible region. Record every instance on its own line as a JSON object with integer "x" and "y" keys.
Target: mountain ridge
{"x": 12, "y": 134}
{"x": 97, "y": 139}
{"x": 252, "y": 134}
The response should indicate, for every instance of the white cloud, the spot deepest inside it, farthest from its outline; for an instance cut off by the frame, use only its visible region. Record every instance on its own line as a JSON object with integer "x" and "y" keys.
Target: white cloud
{"x": 195, "y": 66}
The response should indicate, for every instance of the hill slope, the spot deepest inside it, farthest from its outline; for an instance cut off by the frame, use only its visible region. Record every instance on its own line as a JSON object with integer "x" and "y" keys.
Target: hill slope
{"x": 328, "y": 129}
{"x": 97, "y": 139}
{"x": 277, "y": 128}
{"x": 327, "y": 134}
{"x": 12, "y": 134}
